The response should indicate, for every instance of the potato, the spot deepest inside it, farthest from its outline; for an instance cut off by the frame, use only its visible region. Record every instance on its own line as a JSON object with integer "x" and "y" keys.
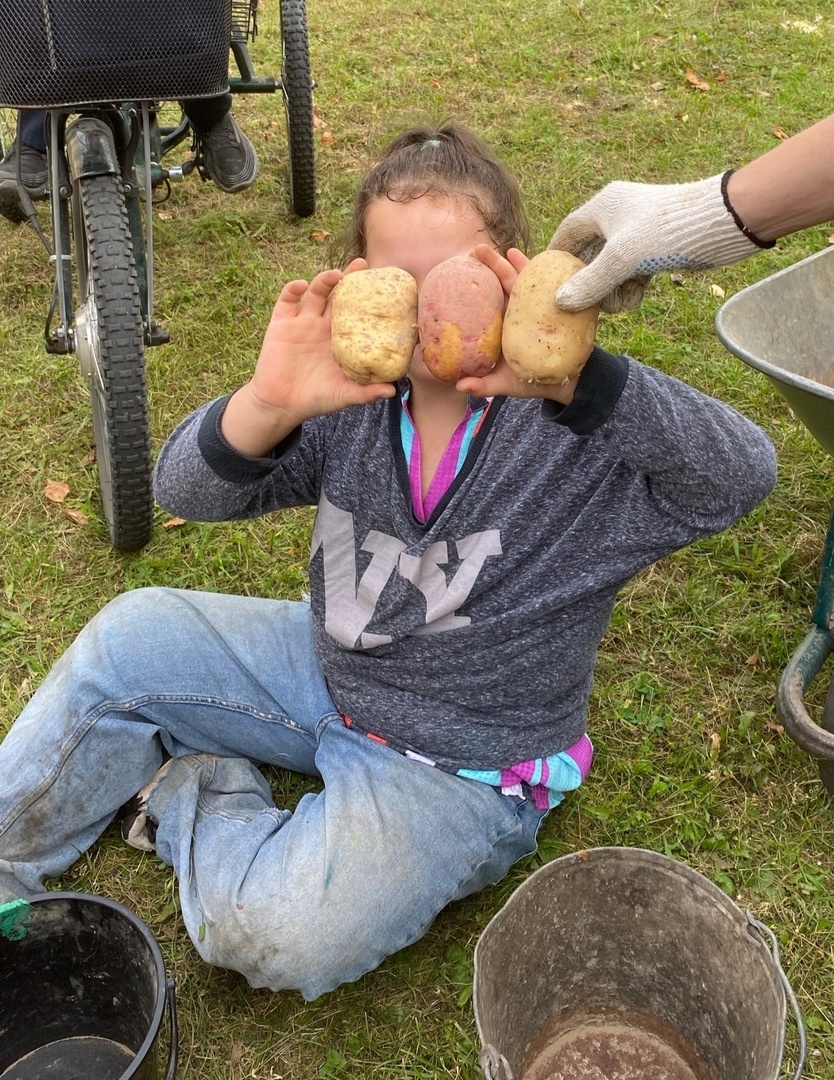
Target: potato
{"x": 459, "y": 314}
{"x": 374, "y": 324}
{"x": 540, "y": 342}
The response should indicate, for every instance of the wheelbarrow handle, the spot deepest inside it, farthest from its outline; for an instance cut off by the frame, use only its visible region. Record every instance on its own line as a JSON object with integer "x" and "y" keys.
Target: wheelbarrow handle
{"x": 797, "y": 676}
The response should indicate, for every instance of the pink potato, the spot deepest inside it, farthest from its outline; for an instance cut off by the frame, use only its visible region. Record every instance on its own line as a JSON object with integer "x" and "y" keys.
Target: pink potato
{"x": 459, "y": 316}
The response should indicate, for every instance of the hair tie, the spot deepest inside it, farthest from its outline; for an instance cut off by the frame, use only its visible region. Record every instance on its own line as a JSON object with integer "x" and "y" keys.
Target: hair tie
{"x": 431, "y": 142}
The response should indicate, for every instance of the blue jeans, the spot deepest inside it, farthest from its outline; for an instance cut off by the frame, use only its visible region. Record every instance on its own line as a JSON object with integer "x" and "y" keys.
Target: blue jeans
{"x": 303, "y": 900}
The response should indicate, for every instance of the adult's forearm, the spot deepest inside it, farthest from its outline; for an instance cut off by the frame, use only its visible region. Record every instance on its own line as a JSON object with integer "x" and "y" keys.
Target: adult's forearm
{"x": 789, "y": 188}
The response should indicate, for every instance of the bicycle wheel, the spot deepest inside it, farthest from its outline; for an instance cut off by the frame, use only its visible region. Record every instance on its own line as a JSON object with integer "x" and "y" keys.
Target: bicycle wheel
{"x": 10, "y": 207}
{"x": 110, "y": 348}
{"x": 297, "y": 90}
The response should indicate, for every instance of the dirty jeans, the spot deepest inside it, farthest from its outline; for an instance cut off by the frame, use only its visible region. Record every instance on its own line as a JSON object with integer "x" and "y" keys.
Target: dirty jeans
{"x": 303, "y": 900}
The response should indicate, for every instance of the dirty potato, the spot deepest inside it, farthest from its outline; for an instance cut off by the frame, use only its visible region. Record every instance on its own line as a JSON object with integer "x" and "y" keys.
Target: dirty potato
{"x": 459, "y": 316}
{"x": 374, "y": 324}
{"x": 540, "y": 342}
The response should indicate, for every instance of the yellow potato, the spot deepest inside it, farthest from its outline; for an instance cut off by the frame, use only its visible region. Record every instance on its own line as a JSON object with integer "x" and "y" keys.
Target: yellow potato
{"x": 540, "y": 342}
{"x": 374, "y": 324}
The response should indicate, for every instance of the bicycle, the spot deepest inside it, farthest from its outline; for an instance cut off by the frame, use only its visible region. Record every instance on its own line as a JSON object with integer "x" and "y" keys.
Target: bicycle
{"x": 103, "y": 76}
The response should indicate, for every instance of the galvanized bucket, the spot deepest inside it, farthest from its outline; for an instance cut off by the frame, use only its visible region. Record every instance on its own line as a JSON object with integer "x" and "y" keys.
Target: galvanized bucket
{"x": 620, "y": 962}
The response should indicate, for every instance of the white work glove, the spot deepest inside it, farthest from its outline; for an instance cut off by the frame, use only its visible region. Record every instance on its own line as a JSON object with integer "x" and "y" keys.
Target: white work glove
{"x": 628, "y": 232}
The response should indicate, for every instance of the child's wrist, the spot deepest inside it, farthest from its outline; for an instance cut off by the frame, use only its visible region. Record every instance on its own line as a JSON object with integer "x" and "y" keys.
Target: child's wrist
{"x": 253, "y": 426}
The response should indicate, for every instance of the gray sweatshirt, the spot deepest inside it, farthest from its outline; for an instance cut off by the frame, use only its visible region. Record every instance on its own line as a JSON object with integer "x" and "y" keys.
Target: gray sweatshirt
{"x": 472, "y": 638}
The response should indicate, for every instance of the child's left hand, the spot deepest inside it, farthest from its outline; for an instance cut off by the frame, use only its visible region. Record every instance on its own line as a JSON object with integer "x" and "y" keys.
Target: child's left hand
{"x": 502, "y": 380}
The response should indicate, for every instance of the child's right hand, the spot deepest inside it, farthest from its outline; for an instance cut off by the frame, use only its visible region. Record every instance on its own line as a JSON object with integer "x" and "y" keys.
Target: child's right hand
{"x": 296, "y": 377}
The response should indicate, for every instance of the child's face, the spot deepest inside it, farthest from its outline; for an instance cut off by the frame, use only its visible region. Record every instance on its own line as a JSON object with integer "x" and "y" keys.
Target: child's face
{"x": 416, "y": 236}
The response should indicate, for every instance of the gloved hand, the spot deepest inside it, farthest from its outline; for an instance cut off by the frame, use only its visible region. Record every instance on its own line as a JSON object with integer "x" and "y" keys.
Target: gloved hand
{"x": 628, "y": 232}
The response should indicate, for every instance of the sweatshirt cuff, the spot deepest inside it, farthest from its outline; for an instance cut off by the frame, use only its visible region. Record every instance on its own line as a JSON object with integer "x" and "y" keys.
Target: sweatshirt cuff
{"x": 598, "y": 390}
{"x": 229, "y": 464}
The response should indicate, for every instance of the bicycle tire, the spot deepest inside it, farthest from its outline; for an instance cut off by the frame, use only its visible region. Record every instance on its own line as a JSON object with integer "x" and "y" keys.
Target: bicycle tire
{"x": 111, "y": 352}
{"x": 10, "y": 207}
{"x": 297, "y": 91}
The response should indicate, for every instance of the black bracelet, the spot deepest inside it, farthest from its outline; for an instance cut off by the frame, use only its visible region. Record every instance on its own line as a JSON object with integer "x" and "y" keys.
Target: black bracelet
{"x": 751, "y": 236}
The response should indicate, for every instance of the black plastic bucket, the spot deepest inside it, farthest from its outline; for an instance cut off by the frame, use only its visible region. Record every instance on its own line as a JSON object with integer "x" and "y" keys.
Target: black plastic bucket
{"x": 620, "y": 962}
{"x": 83, "y": 992}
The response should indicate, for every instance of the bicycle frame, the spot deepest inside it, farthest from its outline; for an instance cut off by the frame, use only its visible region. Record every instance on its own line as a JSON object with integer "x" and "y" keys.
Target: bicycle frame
{"x": 107, "y": 168}
{"x": 124, "y": 140}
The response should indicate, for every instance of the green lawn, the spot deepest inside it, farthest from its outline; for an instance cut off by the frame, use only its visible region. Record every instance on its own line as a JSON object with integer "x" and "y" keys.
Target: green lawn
{"x": 690, "y": 758}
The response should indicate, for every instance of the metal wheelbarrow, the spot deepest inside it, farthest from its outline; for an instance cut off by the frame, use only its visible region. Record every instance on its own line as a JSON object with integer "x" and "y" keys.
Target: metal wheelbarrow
{"x": 784, "y": 327}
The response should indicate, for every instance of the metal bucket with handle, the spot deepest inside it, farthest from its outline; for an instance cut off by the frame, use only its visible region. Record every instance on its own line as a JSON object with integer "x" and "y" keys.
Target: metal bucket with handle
{"x": 622, "y": 963}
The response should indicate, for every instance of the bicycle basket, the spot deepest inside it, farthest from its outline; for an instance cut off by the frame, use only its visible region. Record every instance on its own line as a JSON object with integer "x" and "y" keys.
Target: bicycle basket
{"x": 74, "y": 52}
{"x": 244, "y": 20}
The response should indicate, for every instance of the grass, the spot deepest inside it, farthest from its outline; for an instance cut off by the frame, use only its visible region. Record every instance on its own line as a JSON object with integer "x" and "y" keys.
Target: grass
{"x": 691, "y": 759}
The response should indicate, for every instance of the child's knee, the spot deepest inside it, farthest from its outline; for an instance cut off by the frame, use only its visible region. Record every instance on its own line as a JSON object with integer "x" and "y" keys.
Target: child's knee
{"x": 308, "y": 950}
{"x": 130, "y": 611}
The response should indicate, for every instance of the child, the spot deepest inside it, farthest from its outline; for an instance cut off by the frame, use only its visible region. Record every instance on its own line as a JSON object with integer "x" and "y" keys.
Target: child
{"x": 468, "y": 547}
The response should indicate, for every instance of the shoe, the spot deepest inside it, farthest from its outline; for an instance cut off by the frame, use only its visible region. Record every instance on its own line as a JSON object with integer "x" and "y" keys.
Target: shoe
{"x": 32, "y": 171}
{"x": 228, "y": 155}
{"x": 137, "y": 826}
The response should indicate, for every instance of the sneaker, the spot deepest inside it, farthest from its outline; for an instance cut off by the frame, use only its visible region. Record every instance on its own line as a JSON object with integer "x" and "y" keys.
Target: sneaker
{"x": 137, "y": 826}
{"x": 228, "y": 155}
{"x": 34, "y": 175}
{"x": 32, "y": 170}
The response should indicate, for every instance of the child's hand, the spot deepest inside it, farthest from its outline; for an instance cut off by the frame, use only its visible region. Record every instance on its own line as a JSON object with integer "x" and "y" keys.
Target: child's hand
{"x": 296, "y": 377}
{"x": 502, "y": 380}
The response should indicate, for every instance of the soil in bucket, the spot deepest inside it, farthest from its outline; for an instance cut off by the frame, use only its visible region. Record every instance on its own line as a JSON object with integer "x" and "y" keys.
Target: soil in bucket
{"x": 627, "y": 1047}
{"x": 82, "y": 991}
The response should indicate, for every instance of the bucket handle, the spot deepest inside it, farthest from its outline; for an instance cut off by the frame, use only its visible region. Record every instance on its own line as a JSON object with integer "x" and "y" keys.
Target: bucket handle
{"x": 494, "y": 1065}
{"x": 770, "y": 937}
{"x": 171, "y": 1002}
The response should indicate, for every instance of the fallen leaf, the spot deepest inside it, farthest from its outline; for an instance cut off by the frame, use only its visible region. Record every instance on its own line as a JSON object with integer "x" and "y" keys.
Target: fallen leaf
{"x": 437, "y": 84}
{"x": 714, "y": 742}
{"x": 319, "y": 234}
{"x": 694, "y": 79}
{"x": 56, "y": 490}
{"x": 173, "y": 522}
{"x": 318, "y": 122}
{"x": 89, "y": 457}
{"x": 469, "y": 59}
{"x": 720, "y": 77}
{"x": 777, "y": 729}
{"x": 780, "y": 133}
{"x": 656, "y": 86}
{"x": 677, "y": 279}
{"x": 77, "y": 516}
{"x": 635, "y": 66}
{"x": 716, "y": 290}
{"x": 164, "y": 215}
{"x": 831, "y": 239}
{"x": 327, "y": 137}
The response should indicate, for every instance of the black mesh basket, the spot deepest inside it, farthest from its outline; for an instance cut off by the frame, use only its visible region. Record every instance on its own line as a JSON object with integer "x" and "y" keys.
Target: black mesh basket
{"x": 76, "y": 52}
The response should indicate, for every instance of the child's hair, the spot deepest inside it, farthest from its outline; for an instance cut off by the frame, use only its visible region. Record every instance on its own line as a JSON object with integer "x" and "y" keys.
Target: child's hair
{"x": 449, "y": 160}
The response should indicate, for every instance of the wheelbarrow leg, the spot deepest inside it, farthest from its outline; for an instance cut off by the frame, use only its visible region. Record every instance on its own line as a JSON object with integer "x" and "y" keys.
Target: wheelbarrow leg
{"x": 804, "y": 665}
